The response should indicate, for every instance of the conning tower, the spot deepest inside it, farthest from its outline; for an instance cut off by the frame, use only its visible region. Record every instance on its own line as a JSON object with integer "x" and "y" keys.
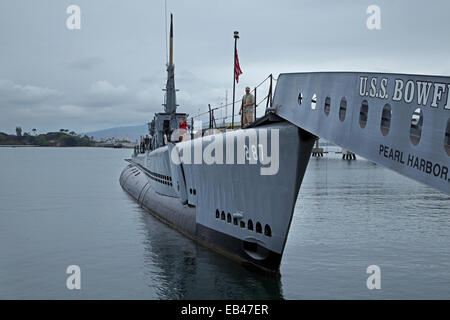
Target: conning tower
{"x": 164, "y": 123}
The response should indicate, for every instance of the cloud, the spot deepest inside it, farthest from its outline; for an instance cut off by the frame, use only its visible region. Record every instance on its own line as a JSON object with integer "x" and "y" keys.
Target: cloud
{"x": 105, "y": 88}
{"x": 129, "y": 57}
{"x": 150, "y": 94}
{"x": 102, "y": 93}
{"x": 86, "y": 63}
{"x": 73, "y": 110}
{"x": 149, "y": 79}
{"x": 49, "y": 109}
{"x": 12, "y": 93}
{"x": 101, "y": 105}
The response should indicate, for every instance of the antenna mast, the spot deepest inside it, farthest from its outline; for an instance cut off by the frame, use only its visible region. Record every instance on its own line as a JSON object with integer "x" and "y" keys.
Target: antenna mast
{"x": 171, "y": 104}
{"x": 165, "y": 16}
{"x": 171, "y": 43}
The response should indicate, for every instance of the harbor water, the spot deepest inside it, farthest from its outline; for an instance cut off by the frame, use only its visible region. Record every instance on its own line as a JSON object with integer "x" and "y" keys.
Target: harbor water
{"x": 64, "y": 206}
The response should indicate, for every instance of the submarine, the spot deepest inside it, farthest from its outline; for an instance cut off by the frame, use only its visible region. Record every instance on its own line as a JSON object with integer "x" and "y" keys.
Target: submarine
{"x": 239, "y": 205}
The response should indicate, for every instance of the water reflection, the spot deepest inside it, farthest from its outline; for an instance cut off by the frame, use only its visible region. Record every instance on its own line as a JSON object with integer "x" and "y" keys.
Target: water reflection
{"x": 182, "y": 269}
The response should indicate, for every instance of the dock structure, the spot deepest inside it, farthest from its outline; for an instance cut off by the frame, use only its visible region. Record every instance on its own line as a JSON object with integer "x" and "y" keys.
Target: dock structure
{"x": 348, "y": 155}
{"x": 316, "y": 151}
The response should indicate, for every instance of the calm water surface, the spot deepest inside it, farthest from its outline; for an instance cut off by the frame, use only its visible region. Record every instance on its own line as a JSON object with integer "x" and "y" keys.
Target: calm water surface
{"x": 64, "y": 206}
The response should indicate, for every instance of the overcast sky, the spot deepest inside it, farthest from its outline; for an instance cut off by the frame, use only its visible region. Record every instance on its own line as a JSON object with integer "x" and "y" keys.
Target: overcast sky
{"x": 110, "y": 72}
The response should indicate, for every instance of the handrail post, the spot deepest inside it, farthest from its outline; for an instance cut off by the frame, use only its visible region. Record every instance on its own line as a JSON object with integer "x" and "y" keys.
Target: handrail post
{"x": 254, "y": 112}
{"x": 269, "y": 96}
{"x": 270, "y": 91}
{"x": 210, "y": 119}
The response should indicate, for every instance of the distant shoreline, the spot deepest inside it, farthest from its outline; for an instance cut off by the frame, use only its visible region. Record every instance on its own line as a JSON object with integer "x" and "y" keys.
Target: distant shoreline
{"x": 18, "y": 145}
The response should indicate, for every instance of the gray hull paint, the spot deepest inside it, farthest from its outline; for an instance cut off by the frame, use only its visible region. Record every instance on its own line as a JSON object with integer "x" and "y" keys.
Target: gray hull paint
{"x": 239, "y": 191}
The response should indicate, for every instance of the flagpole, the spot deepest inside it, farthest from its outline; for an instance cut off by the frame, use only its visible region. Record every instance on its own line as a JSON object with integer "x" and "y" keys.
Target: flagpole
{"x": 236, "y": 36}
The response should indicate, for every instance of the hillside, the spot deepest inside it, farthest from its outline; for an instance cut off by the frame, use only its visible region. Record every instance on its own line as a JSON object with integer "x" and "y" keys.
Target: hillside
{"x": 51, "y": 139}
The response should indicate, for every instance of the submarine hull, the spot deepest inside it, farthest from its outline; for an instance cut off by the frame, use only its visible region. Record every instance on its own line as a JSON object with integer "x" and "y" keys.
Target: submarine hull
{"x": 234, "y": 207}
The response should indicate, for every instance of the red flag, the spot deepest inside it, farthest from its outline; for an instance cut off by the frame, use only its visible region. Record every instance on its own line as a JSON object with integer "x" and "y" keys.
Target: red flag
{"x": 237, "y": 68}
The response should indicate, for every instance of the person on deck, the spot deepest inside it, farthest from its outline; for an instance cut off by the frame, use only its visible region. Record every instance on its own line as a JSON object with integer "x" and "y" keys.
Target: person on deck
{"x": 247, "y": 110}
{"x": 183, "y": 126}
{"x": 147, "y": 142}
{"x": 141, "y": 144}
{"x": 183, "y": 123}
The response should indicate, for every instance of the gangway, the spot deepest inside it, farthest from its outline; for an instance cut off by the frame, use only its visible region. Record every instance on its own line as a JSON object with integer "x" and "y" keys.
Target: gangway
{"x": 399, "y": 121}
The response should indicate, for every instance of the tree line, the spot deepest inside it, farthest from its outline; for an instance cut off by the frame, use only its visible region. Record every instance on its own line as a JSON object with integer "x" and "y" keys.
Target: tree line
{"x": 62, "y": 138}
